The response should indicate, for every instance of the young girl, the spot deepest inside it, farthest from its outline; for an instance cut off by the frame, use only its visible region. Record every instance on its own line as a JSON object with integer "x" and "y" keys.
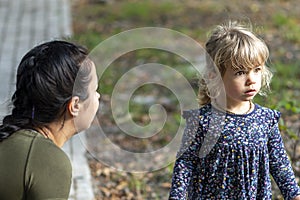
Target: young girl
{"x": 232, "y": 157}
{"x": 55, "y": 98}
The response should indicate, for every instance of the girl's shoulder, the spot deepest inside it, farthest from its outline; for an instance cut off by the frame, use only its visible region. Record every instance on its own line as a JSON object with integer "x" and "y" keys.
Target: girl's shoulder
{"x": 206, "y": 109}
{"x": 260, "y": 113}
{"x": 194, "y": 116}
{"x": 266, "y": 114}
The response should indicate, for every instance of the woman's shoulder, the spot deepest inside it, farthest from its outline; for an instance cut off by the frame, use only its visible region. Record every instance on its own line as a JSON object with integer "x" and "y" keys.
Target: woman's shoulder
{"x": 48, "y": 170}
{"x": 41, "y": 146}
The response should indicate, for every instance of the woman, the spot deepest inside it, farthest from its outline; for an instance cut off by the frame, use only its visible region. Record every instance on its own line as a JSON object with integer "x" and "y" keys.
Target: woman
{"x": 56, "y": 97}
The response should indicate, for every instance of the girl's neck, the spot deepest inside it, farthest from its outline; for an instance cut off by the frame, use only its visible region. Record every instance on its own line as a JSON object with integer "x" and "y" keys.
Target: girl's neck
{"x": 239, "y": 108}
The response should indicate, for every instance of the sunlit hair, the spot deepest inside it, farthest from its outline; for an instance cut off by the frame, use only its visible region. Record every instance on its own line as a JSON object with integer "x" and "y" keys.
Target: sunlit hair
{"x": 236, "y": 46}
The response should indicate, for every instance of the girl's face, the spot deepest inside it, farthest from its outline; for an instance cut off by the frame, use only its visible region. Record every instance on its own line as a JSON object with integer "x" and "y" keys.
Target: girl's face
{"x": 90, "y": 105}
{"x": 242, "y": 85}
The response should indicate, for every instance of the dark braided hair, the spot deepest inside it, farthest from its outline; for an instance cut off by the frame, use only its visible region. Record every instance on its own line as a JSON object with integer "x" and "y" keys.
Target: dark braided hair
{"x": 45, "y": 80}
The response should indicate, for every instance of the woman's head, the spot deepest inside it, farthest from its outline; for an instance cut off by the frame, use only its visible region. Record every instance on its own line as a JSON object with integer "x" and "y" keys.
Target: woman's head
{"x": 45, "y": 84}
{"x": 236, "y": 47}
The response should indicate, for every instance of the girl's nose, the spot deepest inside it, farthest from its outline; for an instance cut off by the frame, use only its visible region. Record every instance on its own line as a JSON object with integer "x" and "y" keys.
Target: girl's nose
{"x": 251, "y": 78}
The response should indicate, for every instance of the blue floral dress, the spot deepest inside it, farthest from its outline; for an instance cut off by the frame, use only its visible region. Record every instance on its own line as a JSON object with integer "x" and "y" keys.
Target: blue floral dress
{"x": 227, "y": 156}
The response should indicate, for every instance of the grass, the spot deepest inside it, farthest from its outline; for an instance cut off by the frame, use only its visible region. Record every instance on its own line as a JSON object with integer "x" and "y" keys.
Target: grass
{"x": 288, "y": 25}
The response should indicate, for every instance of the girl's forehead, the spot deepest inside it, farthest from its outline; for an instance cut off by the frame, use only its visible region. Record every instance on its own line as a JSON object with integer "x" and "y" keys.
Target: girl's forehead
{"x": 244, "y": 64}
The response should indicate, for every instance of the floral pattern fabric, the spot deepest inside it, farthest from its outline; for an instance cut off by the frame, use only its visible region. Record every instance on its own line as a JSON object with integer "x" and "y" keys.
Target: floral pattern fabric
{"x": 227, "y": 156}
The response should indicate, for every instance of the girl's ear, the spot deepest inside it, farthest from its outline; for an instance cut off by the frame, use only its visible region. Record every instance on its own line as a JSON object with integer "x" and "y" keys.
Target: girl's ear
{"x": 74, "y": 106}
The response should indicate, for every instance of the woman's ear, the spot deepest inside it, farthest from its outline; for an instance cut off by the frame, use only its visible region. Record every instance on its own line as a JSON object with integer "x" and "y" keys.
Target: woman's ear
{"x": 74, "y": 106}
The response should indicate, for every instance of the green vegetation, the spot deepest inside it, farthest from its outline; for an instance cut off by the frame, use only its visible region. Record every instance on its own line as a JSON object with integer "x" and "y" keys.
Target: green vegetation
{"x": 288, "y": 25}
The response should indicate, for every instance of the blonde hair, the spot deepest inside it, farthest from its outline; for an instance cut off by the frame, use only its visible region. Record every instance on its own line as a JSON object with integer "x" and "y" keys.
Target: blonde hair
{"x": 232, "y": 45}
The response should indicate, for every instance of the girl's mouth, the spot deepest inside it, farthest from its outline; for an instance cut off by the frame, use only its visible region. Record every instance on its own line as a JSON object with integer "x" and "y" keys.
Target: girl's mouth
{"x": 250, "y": 92}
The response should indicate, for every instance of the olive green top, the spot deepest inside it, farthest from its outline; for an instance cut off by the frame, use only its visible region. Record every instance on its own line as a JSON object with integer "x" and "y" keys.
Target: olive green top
{"x": 33, "y": 168}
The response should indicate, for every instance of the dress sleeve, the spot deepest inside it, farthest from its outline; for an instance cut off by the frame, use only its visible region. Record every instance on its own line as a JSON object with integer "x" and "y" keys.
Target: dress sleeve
{"x": 187, "y": 159}
{"x": 48, "y": 172}
{"x": 280, "y": 166}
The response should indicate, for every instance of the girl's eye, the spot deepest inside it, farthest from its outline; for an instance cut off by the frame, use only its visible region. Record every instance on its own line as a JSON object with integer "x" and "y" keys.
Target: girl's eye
{"x": 240, "y": 73}
{"x": 257, "y": 69}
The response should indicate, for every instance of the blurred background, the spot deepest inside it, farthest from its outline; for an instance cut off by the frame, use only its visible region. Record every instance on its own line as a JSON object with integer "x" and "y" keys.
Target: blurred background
{"x": 276, "y": 21}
